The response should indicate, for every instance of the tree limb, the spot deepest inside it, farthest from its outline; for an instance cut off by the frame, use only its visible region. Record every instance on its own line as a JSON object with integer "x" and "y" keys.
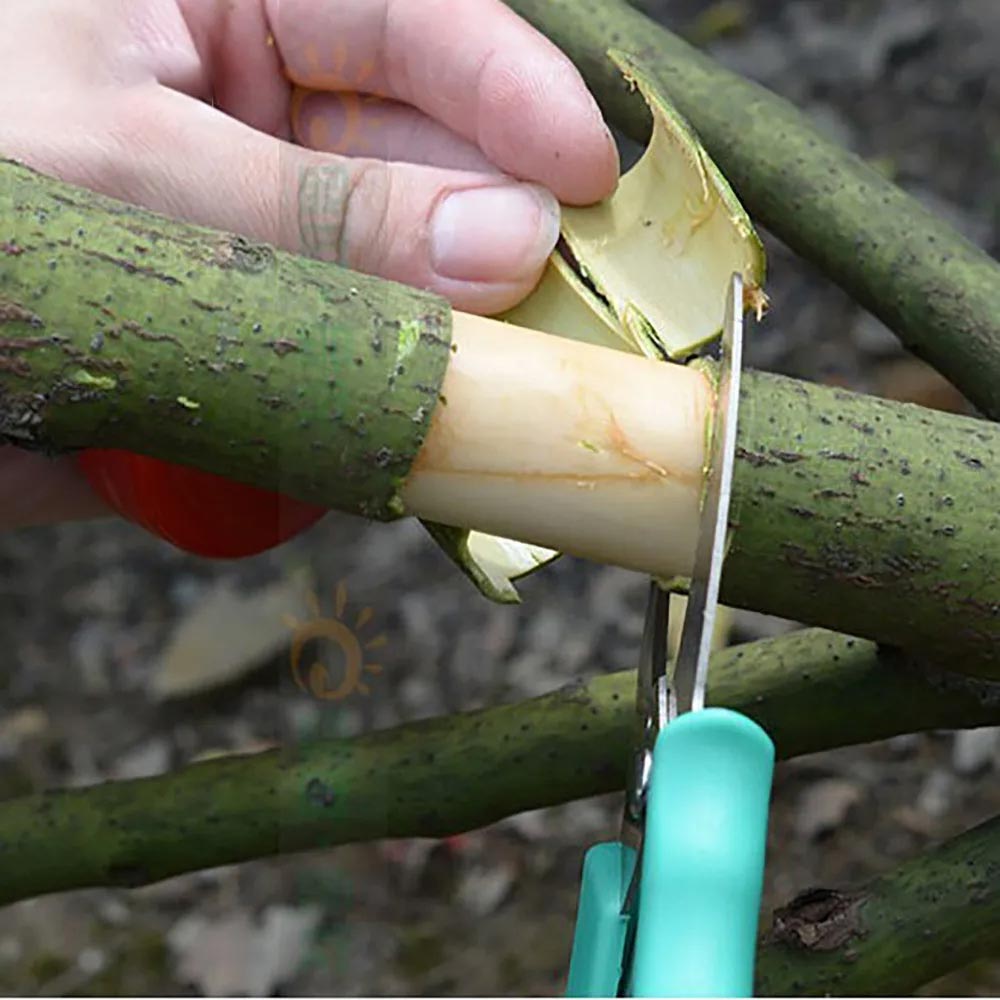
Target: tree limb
{"x": 932, "y": 915}
{"x": 121, "y": 328}
{"x": 811, "y": 690}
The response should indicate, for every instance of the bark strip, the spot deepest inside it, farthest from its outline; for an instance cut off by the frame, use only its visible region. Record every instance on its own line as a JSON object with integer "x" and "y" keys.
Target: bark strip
{"x": 938, "y": 291}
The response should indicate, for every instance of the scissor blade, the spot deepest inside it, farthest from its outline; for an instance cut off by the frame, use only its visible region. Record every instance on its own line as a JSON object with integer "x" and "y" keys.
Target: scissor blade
{"x": 652, "y": 668}
{"x": 650, "y": 676}
{"x": 691, "y": 670}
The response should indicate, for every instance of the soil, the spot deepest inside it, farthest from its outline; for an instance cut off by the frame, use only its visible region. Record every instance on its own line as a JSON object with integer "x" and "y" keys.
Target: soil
{"x": 88, "y": 613}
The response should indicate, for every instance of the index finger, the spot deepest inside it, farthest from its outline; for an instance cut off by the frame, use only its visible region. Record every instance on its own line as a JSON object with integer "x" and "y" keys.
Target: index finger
{"x": 473, "y": 65}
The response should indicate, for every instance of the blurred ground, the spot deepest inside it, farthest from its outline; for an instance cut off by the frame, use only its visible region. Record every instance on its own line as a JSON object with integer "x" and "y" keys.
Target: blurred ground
{"x": 88, "y": 615}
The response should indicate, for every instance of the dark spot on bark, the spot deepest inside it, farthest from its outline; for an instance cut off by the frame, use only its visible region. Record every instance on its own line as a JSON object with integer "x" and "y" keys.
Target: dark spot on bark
{"x": 756, "y": 459}
{"x": 838, "y": 456}
{"x": 129, "y": 267}
{"x": 14, "y": 312}
{"x": 241, "y": 254}
{"x": 788, "y": 457}
{"x": 16, "y": 366}
{"x": 11, "y": 249}
{"x": 859, "y": 479}
{"x": 828, "y": 494}
{"x": 283, "y": 347}
{"x": 318, "y": 793}
{"x": 206, "y": 306}
{"x": 802, "y": 512}
{"x": 129, "y": 326}
{"x": 972, "y": 463}
{"x": 819, "y": 920}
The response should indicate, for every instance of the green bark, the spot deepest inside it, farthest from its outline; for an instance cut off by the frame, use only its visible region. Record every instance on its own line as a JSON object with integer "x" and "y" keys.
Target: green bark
{"x": 121, "y": 328}
{"x": 875, "y": 518}
{"x": 935, "y": 289}
{"x": 932, "y": 915}
{"x": 811, "y": 690}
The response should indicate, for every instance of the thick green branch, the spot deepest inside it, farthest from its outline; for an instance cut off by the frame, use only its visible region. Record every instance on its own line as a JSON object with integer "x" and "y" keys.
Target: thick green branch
{"x": 875, "y": 518}
{"x": 932, "y": 915}
{"x": 811, "y": 690}
{"x": 120, "y": 328}
{"x": 934, "y": 288}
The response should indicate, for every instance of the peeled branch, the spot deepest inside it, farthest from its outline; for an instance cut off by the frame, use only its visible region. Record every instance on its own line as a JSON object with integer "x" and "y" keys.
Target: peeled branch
{"x": 566, "y": 445}
{"x": 645, "y": 271}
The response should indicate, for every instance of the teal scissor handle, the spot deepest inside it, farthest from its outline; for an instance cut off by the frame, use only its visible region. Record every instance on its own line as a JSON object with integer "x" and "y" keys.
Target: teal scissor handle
{"x": 703, "y": 857}
{"x": 595, "y": 965}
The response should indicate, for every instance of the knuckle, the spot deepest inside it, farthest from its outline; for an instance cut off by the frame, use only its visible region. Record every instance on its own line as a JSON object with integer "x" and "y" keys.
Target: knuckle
{"x": 321, "y": 191}
{"x": 367, "y": 223}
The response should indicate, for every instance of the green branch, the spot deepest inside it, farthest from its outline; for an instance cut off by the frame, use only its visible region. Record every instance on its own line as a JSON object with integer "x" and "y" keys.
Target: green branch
{"x": 120, "y": 328}
{"x": 934, "y": 288}
{"x": 811, "y": 690}
{"x": 869, "y": 517}
{"x": 932, "y": 915}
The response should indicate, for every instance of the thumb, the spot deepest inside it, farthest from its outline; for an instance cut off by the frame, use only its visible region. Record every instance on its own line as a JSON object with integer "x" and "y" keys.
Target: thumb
{"x": 480, "y": 240}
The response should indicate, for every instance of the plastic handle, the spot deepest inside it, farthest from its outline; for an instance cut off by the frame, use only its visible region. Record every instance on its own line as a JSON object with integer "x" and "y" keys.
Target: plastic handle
{"x": 596, "y": 962}
{"x": 703, "y": 857}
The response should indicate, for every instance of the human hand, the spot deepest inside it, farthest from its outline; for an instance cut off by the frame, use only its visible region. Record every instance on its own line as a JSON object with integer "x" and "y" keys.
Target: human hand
{"x": 223, "y": 112}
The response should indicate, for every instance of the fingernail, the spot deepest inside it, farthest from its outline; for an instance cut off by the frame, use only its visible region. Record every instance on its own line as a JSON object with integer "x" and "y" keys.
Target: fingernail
{"x": 494, "y": 234}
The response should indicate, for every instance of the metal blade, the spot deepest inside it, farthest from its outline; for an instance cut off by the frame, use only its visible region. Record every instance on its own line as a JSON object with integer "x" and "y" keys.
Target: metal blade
{"x": 649, "y": 718}
{"x": 690, "y": 675}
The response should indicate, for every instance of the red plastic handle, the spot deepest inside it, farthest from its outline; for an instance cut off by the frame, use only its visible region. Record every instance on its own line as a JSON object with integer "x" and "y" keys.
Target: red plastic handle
{"x": 197, "y": 511}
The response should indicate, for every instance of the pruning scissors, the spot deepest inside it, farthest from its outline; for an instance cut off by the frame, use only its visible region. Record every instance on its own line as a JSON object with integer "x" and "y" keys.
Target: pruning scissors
{"x": 672, "y": 907}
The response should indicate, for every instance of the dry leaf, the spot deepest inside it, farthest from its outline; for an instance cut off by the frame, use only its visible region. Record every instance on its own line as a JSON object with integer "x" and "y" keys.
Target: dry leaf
{"x": 226, "y": 635}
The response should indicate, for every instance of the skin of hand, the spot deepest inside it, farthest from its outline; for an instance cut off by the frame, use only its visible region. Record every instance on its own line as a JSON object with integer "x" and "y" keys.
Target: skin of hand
{"x": 440, "y": 134}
